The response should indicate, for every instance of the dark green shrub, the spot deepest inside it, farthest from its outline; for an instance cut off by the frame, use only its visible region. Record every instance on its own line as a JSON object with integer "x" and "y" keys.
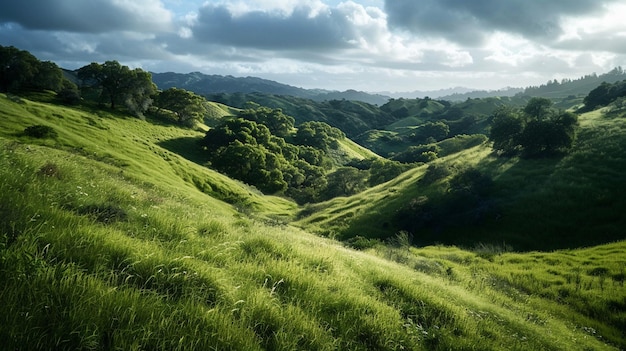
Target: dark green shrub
{"x": 40, "y": 132}
{"x": 360, "y": 243}
{"x": 50, "y": 170}
{"x": 69, "y": 96}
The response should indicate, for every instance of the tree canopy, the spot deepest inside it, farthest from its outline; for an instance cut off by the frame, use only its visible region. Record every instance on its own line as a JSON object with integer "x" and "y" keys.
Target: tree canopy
{"x": 278, "y": 123}
{"x": 187, "y": 106}
{"x": 604, "y": 94}
{"x": 318, "y": 134}
{"x": 536, "y": 130}
{"x": 248, "y": 151}
{"x": 119, "y": 84}
{"x": 20, "y": 70}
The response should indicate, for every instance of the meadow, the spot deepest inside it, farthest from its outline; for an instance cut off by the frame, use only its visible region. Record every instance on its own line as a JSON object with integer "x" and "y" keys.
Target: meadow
{"x": 111, "y": 240}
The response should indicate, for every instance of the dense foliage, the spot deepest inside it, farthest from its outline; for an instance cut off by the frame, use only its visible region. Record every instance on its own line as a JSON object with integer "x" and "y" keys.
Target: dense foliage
{"x": 293, "y": 162}
{"x": 275, "y": 120}
{"x": 117, "y": 84}
{"x": 535, "y": 131}
{"x": 604, "y": 95}
{"x": 188, "y": 107}
{"x": 20, "y": 70}
{"x": 248, "y": 151}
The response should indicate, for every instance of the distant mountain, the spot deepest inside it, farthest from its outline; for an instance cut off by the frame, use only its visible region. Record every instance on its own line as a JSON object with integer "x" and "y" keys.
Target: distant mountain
{"x": 210, "y": 84}
{"x": 204, "y": 84}
{"x": 455, "y": 94}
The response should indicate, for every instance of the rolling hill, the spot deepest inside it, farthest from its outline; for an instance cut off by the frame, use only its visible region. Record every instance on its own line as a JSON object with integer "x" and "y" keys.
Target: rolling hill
{"x": 111, "y": 239}
{"x": 572, "y": 200}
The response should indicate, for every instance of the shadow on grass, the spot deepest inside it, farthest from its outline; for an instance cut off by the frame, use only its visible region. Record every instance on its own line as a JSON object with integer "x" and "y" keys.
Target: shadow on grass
{"x": 187, "y": 147}
{"x": 565, "y": 202}
{"x": 562, "y": 202}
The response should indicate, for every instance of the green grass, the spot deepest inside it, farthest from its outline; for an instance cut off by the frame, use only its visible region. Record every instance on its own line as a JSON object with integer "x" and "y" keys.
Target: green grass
{"x": 107, "y": 243}
{"x": 561, "y": 202}
{"x": 139, "y": 149}
{"x": 369, "y": 214}
{"x": 348, "y": 150}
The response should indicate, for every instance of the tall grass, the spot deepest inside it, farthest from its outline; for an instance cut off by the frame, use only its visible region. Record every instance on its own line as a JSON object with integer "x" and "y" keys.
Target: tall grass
{"x": 96, "y": 255}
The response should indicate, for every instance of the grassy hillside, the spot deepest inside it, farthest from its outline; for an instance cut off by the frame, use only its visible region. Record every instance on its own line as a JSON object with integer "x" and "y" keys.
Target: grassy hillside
{"x": 149, "y": 152}
{"x": 108, "y": 242}
{"x": 568, "y": 201}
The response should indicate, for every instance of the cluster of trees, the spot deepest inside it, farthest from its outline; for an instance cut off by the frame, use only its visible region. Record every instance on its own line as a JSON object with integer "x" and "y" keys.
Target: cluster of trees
{"x": 430, "y": 132}
{"x": 604, "y": 94}
{"x": 187, "y": 107}
{"x": 534, "y": 131}
{"x": 133, "y": 88}
{"x": 245, "y": 148}
{"x": 21, "y": 71}
{"x": 262, "y": 147}
{"x": 118, "y": 84}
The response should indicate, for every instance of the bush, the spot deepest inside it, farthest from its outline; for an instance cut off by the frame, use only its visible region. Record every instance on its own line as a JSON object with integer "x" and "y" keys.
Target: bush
{"x": 40, "y": 132}
{"x": 69, "y": 96}
{"x": 50, "y": 170}
{"x": 360, "y": 243}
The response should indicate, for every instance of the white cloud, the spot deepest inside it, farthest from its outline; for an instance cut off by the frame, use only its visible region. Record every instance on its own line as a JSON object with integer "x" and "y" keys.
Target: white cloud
{"x": 364, "y": 44}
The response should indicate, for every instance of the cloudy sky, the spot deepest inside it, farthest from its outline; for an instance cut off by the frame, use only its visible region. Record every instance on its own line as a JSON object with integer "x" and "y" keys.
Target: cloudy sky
{"x": 370, "y": 45}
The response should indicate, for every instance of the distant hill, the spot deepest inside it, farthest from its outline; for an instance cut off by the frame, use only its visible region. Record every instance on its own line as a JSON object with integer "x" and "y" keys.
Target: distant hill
{"x": 204, "y": 84}
{"x": 374, "y": 99}
{"x": 557, "y": 90}
{"x": 575, "y": 87}
{"x": 433, "y": 94}
{"x": 351, "y": 116}
{"x": 480, "y": 94}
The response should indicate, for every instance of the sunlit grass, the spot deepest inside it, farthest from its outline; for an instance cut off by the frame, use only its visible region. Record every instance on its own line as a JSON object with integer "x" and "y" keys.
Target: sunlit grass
{"x": 107, "y": 252}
